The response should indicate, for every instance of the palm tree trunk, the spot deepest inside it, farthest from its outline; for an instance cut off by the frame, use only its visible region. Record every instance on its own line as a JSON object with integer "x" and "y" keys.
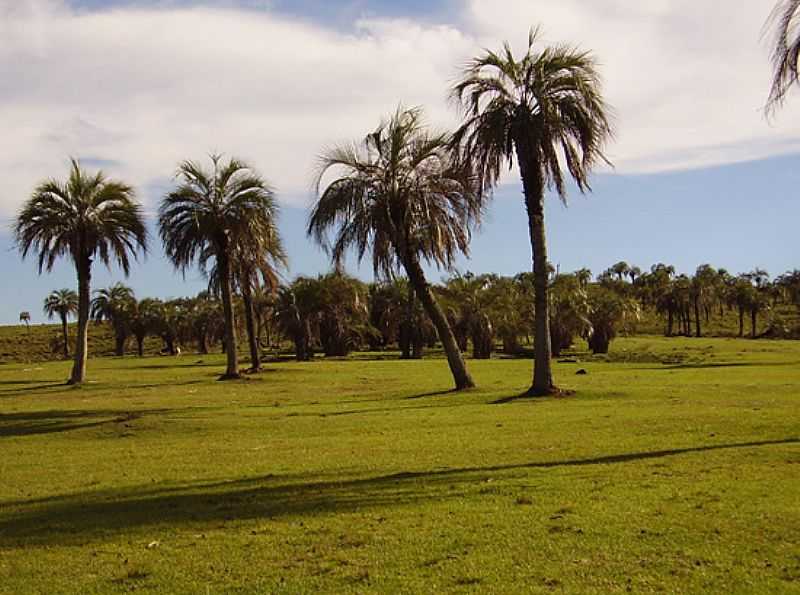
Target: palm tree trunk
{"x": 66, "y": 337}
{"x": 423, "y": 290}
{"x": 84, "y": 268}
{"x": 252, "y": 337}
{"x": 753, "y": 325}
{"x": 119, "y": 342}
{"x": 697, "y": 316}
{"x": 741, "y": 321}
{"x": 232, "y": 370}
{"x": 140, "y": 345}
{"x": 533, "y": 188}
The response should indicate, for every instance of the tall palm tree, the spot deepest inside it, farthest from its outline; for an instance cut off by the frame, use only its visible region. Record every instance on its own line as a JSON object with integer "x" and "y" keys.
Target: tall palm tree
{"x": 115, "y": 304}
{"x": 545, "y": 111}
{"x": 784, "y": 20}
{"x": 207, "y": 216}
{"x": 62, "y": 303}
{"x": 86, "y": 217}
{"x": 401, "y": 194}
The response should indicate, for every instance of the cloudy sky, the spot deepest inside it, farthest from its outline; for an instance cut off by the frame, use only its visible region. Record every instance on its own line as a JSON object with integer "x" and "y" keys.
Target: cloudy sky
{"x": 135, "y": 86}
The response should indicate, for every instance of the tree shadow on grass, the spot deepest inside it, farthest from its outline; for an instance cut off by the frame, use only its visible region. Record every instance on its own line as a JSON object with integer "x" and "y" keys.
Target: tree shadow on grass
{"x": 711, "y": 365}
{"x": 78, "y": 518}
{"x": 92, "y": 385}
{"x": 55, "y": 421}
{"x": 435, "y": 393}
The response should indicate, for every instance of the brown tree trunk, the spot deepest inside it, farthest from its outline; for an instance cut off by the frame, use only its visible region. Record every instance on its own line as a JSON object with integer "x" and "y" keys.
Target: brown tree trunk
{"x": 119, "y": 343}
{"x": 232, "y": 370}
{"x": 84, "y": 267}
{"x": 741, "y": 321}
{"x": 140, "y": 345}
{"x": 697, "y": 316}
{"x": 454, "y": 358}
{"x": 533, "y": 187}
{"x": 753, "y": 325}
{"x": 252, "y": 337}
{"x": 66, "y": 335}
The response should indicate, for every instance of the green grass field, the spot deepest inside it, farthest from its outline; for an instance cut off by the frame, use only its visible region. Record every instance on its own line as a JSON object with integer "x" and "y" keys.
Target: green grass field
{"x": 674, "y": 468}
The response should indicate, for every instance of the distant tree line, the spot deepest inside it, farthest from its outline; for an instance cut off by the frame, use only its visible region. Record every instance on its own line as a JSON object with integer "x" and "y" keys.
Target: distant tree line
{"x": 335, "y": 314}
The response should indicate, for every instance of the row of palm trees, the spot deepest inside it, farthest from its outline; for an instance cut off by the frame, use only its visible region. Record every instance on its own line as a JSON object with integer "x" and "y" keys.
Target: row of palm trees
{"x": 335, "y": 314}
{"x": 690, "y": 301}
{"x": 405, "y": 193}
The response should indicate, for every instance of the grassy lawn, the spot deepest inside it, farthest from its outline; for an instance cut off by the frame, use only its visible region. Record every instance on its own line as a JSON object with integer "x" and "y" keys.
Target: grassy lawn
{"x": 675, "y": 467}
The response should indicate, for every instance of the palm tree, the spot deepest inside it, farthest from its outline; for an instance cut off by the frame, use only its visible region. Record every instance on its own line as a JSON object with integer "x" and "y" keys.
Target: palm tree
{"x": 785, "y": 51}
{"x": 143, "y": 320}
{"x": 702, "y": 284}
{"x": 86, "y": 217}
{"x": 64, "y": 303}
{"x": 295, "y": 310}
{"x": 546, "y": 112}
{"x": 621, "y": 269}
{"x": 207, "y": 216}
{"x": 115, "y": 304}
{"x": 255, "y": 270}
{"x": 401, "y": 194}
{"x": 607, "y": 311}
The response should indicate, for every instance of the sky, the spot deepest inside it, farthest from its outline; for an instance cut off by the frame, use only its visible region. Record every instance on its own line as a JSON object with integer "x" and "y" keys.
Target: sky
{"x": 135, "y": 86}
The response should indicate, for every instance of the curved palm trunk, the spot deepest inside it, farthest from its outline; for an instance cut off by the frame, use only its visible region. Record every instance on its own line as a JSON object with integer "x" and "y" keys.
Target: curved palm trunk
{"x": 423, "y": 290}
{"x": 232, "y": 370}
{"x": 533, "y": 188}
{"x": 66, "y": 336}
{"x": 84, "y": 268}
{"x": 252, "y": 337}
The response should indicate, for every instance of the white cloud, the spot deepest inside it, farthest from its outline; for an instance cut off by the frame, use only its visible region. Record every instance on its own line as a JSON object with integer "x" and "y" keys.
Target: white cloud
{"x": 688, "y": 79}
{"x": 146, "y": 87}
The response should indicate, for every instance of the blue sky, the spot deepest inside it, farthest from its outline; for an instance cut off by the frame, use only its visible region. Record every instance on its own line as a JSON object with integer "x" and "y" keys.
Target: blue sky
{"x": 700, "y": 175}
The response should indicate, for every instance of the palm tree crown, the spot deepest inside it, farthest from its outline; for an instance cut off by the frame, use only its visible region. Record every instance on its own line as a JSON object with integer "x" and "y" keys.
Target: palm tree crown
{"x": 785, "y": 19}
{"x": 546, "y": 107}
{"x": 61, "y": 303}
{"x": 110, "y": 302}
{"x": 87, "y": 216}
{"x": 400, "y": 192}
{"x": 209, "y": 211}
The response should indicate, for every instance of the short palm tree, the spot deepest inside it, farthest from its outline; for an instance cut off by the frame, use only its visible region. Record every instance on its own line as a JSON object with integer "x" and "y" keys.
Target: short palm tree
{"x": 546, "y": 112}
{"x": 402, "y": 195}
{"x": 86, "y": 217}
{"x": 255, "y": 269}
{"x": 116, "y": 305}
{"x": 62, "y": 303}
{"x": 785, "y": 50}
{"x": 207, "y": 216}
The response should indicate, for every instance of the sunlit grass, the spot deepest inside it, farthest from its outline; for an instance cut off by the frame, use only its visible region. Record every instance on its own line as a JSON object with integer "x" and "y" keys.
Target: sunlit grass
{"x": 674, "y": 467}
